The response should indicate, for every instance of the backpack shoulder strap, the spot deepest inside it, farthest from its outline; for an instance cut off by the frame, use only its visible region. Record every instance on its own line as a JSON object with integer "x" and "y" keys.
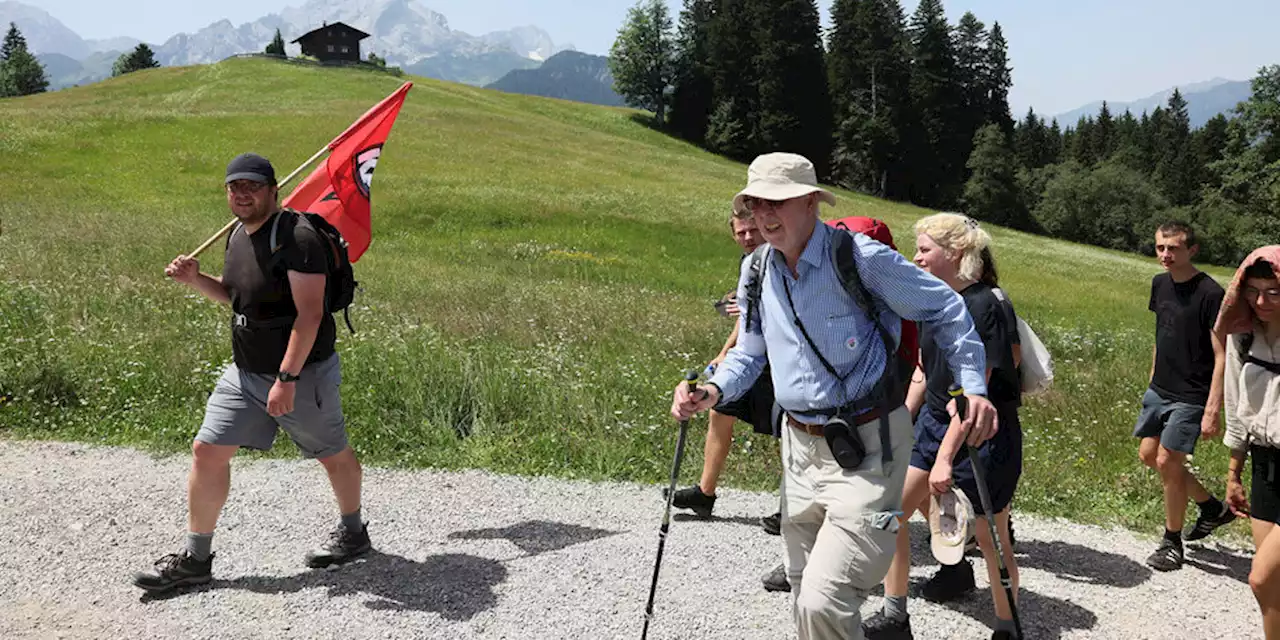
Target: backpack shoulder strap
{"x": 891, "y": 386}
{"x": 234, "y": 229}
{"x": 755, "y": 282}
{"x": 275, "y": 228}
{"x": 845, "y": 260}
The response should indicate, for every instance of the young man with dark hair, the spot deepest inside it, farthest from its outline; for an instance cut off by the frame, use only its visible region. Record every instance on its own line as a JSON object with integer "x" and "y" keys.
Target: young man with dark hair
{"x": 1184, "y": 397}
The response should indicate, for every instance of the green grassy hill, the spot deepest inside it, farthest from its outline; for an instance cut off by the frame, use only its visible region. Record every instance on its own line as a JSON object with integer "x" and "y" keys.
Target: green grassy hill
{"x": 542, "y": 273}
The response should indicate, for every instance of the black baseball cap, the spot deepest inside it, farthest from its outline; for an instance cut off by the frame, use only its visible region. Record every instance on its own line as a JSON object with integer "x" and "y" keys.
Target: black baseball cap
{"x": 251, "y": 166}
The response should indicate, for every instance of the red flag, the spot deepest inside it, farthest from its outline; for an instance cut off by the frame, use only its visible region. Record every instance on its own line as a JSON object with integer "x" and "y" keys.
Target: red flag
{"x": 339, "y": 188}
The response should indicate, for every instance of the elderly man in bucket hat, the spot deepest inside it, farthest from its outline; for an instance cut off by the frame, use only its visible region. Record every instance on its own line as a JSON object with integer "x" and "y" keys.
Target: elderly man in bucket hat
{"x": 847, "y": 439}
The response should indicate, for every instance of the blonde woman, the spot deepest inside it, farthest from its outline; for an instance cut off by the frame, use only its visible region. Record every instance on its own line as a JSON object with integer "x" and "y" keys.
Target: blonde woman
{"x": 1249, "y": 326}
{"x": 956, "y": 250}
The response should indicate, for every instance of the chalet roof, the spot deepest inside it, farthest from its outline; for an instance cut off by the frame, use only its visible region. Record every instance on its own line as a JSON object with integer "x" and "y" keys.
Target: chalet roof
{"x": 360, "y": 34}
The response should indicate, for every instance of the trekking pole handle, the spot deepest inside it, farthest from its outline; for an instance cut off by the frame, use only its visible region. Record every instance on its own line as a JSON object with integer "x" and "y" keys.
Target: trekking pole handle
{"x": 962, "y": 403}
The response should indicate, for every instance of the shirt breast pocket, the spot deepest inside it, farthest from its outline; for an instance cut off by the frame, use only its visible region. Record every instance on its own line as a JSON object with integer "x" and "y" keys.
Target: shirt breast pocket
{"x": 841, "y": 335}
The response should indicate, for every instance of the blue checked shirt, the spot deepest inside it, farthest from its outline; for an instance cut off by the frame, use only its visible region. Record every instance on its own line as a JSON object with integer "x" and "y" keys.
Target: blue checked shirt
{"x": 847, "y": 338}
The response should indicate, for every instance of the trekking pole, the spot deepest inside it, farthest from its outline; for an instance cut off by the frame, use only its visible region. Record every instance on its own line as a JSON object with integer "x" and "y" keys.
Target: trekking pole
{"x": 980, "y": 474}
{"x": 689, "y": 378}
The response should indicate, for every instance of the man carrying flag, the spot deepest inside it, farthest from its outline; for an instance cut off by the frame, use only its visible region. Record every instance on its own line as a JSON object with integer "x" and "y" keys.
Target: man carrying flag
{"x": 286, "y": 372}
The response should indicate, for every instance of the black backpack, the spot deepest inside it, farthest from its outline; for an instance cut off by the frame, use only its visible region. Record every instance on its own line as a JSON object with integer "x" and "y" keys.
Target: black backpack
{"x": 893, "y": 384}
{"x": 340, "y": 285}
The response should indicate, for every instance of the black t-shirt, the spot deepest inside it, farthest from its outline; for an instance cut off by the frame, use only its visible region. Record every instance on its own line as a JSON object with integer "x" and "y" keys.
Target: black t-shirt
{"x": 997, "y": 326}
{"x": 1185, "y": 313}
{"x": 260, "y": 291}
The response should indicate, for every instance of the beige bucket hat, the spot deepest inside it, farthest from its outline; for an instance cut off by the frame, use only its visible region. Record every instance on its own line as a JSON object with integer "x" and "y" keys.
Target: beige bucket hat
{"x": 781, "y": 176}
{"x": 951, "y": 522}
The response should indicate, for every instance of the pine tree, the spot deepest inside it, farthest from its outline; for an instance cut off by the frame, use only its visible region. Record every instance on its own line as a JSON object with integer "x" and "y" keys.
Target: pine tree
{"x": 140, "y": 58}
{"x": 1175, "y": 171}
{"x": 693, "y": 93}
{"x": 937, "y": 167}
{"x": 732, "y": 127}
{"x": 1082, "y": 149}
{"x": 21, "y": 74}
{"x": 13, "y": 43}
{"x": 795, "y": 105}
{"x": 1054, "y": 144}
{"x": 1209, "y": 144}
{"x": 276, "y": 46}
{"x": 1104, "y": 134}
{"x": 1128, "y": 142}
{"x": 642, "y": 58}
{"x": 999, "y": 80}
{"x": 991, "y": 194}
{"x": 1028, "y": 140}
{"x": 869, "y": 70}
{"x": 971, "y": 74}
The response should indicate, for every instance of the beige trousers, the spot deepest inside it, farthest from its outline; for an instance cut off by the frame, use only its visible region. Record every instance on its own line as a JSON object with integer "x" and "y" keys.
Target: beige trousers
{"x": 839, "y": 525}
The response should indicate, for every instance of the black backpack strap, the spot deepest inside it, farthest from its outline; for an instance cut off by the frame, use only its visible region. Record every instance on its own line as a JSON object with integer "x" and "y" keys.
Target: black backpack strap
{"x": 889, "y": 386}
{"x": 755, "y": 282}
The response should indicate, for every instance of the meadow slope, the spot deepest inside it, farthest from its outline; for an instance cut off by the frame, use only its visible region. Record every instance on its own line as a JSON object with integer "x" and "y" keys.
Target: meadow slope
{"x": 542, "y": 273}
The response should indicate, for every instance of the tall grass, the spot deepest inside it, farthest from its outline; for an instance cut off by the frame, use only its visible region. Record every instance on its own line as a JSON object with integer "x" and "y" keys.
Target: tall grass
{"x": 542, "y": 273}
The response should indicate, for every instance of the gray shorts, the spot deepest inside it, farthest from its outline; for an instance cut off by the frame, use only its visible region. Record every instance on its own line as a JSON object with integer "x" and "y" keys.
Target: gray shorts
{"x": 1177, "y": 424}
{"x": 236, "y": 413}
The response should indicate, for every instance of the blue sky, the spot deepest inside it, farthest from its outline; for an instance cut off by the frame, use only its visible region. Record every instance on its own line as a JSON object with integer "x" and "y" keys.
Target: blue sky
{"x": 1064, "y": 53}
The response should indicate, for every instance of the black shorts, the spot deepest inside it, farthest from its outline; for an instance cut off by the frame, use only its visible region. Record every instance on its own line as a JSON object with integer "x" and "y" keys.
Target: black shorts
{"x": 1264, "y": 489}
{"x": 755, "y": 406}
{"x": 1001, "y": 457}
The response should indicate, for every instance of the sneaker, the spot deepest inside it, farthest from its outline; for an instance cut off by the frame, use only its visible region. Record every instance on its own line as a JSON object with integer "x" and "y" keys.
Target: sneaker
{"x": 1168, "y": 557}
{"x": 772, "y": 525}
{"x": 173, "y": 571}
{"x": 950, "y": 582}
{"x": 882, "y": 627}
{"x": 1001, "y": 634}
{"x": 776, "y": 580}
{"x": 343, "y": 546}
{"x": 693, "y": 499}
{"x": 1205, "y": 525}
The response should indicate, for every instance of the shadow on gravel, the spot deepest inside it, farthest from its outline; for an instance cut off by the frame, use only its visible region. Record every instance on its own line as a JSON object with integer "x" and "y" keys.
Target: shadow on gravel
{"x": 693, "y": 517}
{"x": 1076, "y": 563}
{"x": 536, "y": 536}
{"x": 455, "y": 586}
{"x": 1043, "y": 617}
{"x": 1219, "y": 561}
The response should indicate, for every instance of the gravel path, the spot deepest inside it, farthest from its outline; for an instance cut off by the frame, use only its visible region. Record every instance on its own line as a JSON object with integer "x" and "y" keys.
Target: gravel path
{"x": 477, "y": 555}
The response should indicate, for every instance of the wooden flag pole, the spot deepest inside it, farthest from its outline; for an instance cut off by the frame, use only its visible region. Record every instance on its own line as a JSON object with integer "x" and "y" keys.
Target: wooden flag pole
{"x": 281, "y": 183}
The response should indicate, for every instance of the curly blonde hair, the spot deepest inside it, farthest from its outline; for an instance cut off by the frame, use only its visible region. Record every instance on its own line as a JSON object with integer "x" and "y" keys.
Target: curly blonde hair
{"x": 960, "y": 235}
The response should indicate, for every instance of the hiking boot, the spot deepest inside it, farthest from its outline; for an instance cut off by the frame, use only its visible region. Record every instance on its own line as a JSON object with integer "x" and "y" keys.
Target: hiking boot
{"x": 882, "y": 627}
{"x": 1205, "y": 524}
{"x": 1168, "y": 557}
{"x": 776, "y": 580}
{"x": 772, "y": 525}
{"x": 950, "y": 582}
{"x": 693, "y": 499}
{"x": 173, "y": 571}
{"x": 343, "y": 546}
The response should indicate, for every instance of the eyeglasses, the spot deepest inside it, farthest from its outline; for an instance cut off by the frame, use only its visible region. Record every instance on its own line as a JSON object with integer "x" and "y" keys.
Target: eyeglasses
{"x": 1272, "y": 294}
{"x": 241, "y": 187}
